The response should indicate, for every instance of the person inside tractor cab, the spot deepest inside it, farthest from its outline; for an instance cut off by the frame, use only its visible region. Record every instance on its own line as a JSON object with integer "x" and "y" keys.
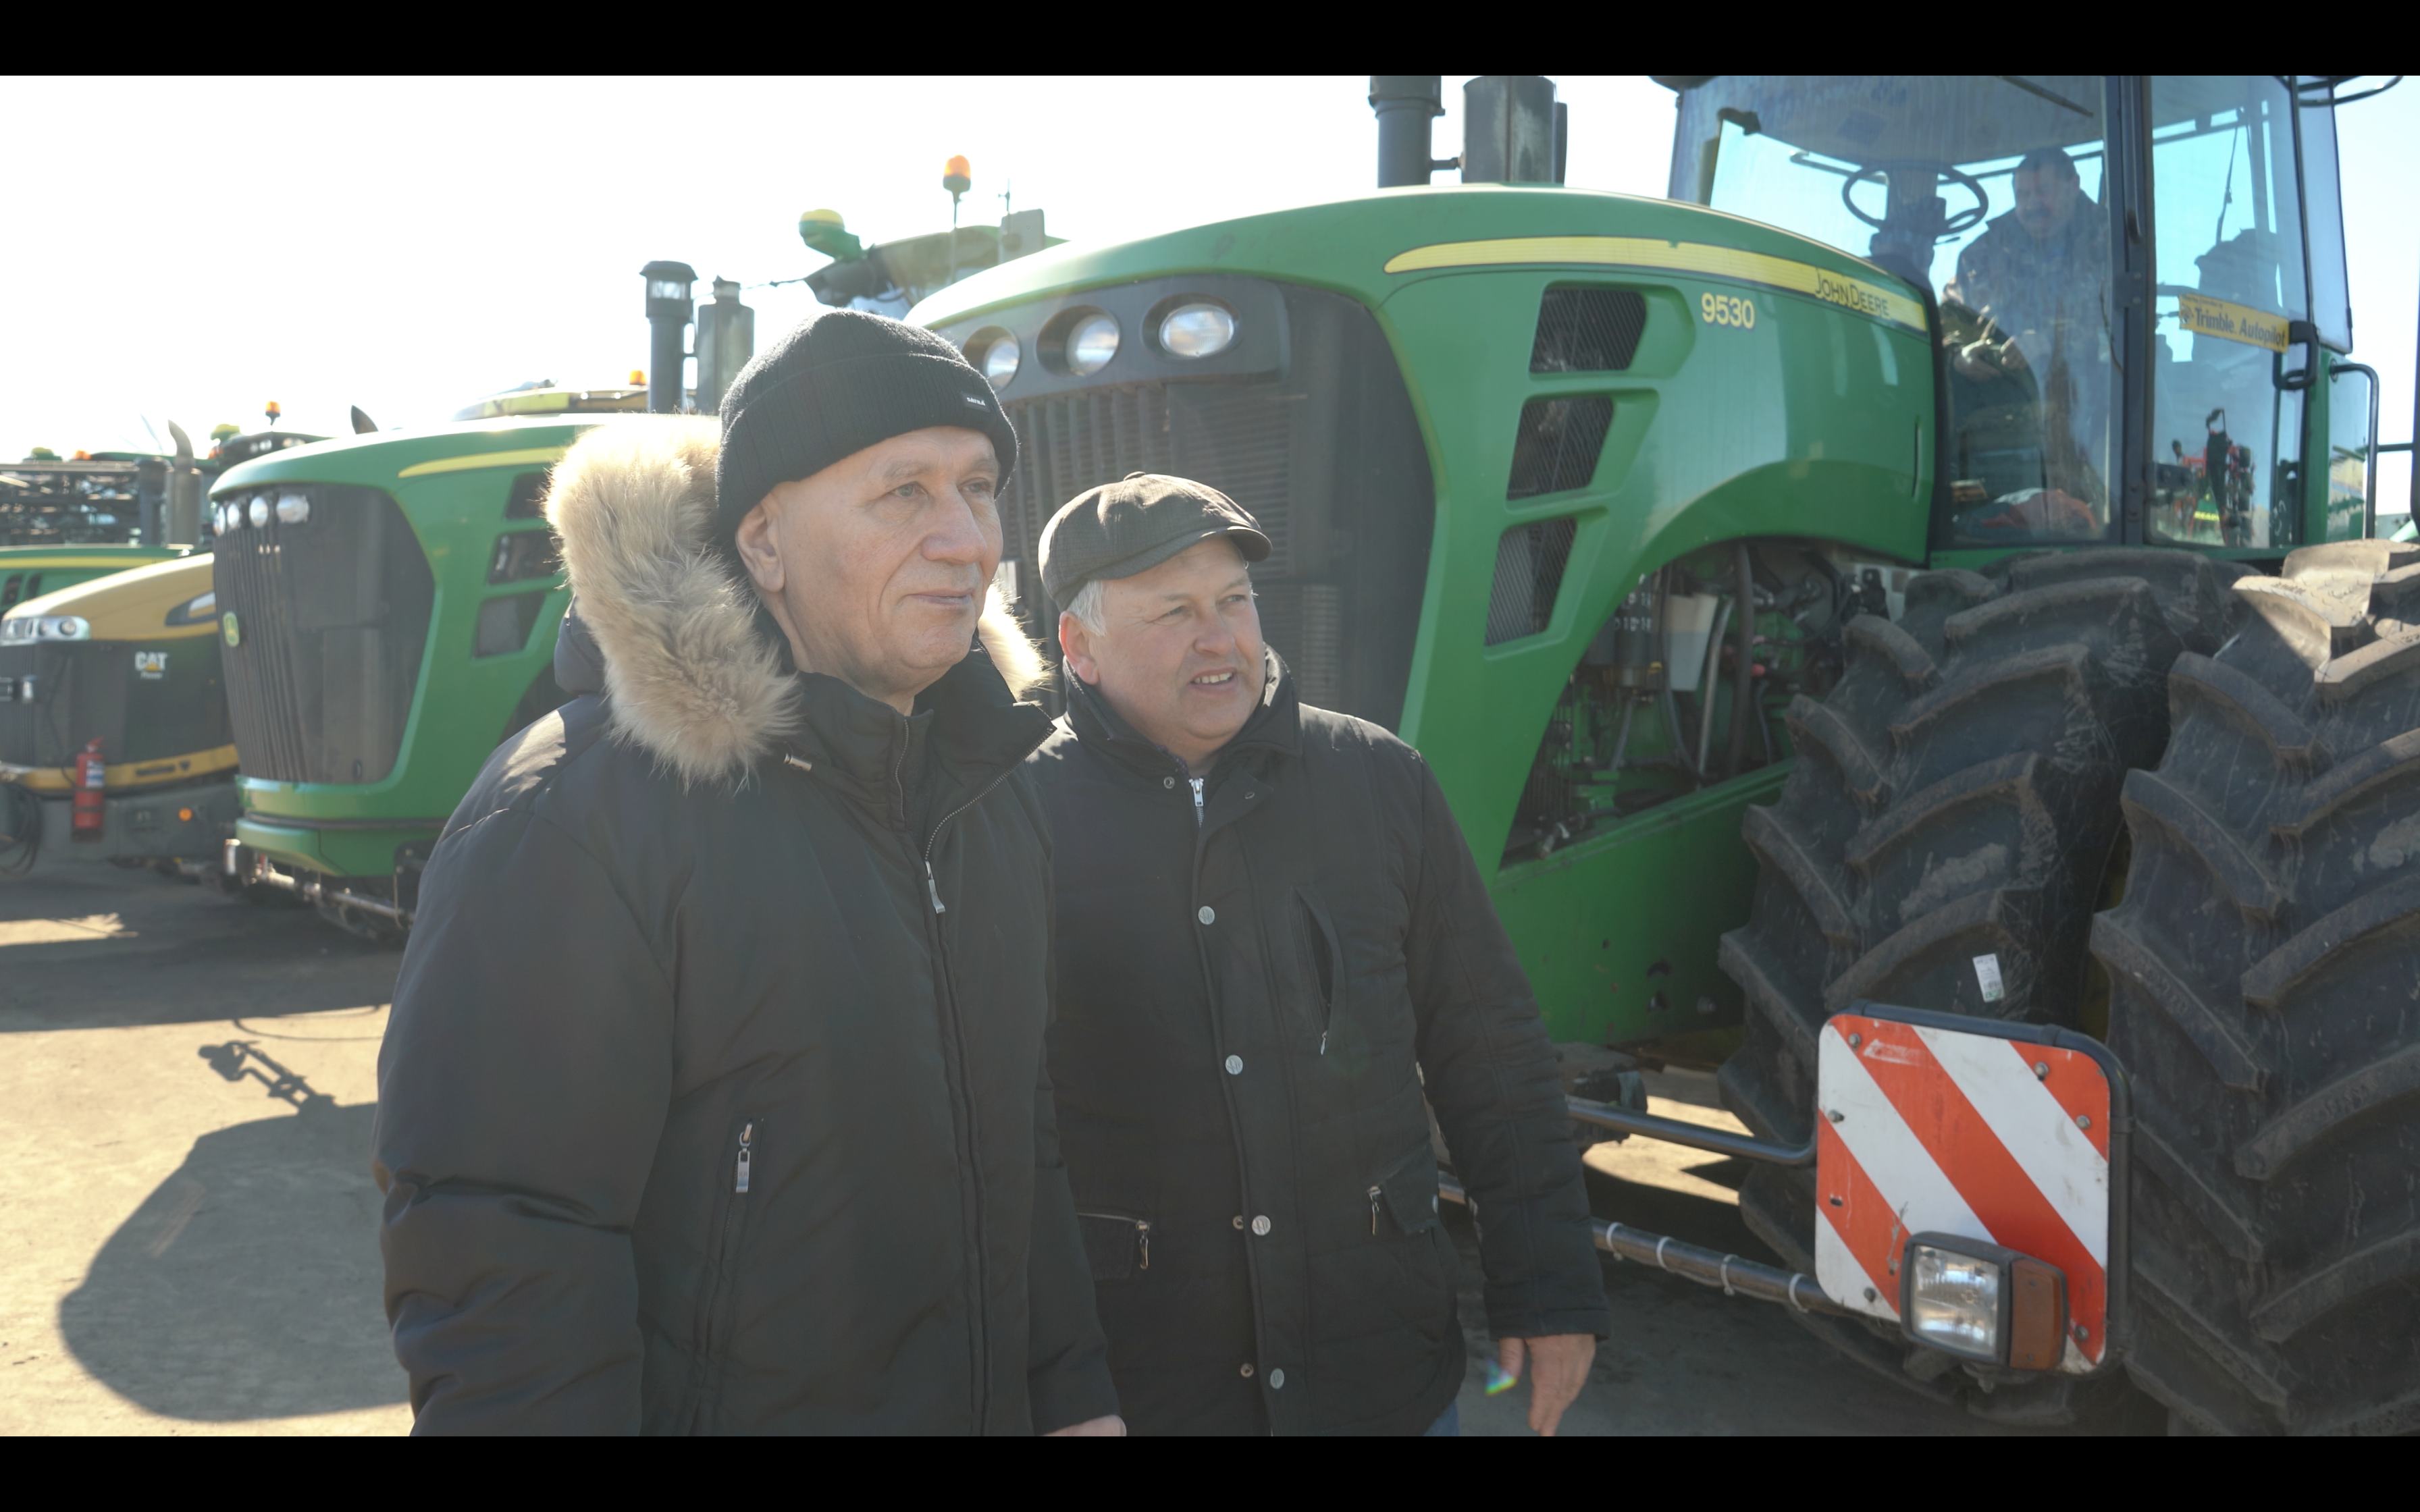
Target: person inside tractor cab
{"x": 2027, "y": 326}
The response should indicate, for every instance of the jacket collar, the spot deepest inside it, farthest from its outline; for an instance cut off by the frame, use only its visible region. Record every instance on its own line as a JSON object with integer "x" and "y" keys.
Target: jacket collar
{"x": 1275, "y": 726}
{"x": 968, "y": 727}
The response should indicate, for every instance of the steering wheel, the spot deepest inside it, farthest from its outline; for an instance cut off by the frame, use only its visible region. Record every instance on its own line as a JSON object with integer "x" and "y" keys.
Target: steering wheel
{"x": 1964, "y": 220}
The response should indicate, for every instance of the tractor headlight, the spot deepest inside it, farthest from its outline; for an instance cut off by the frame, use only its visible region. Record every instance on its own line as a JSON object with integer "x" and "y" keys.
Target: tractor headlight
{"x": 1954, "y": 1301}
{"x": 1200, "y": 328}
{"x": 223, "y": 519}
{"x": 293, "y": 508}
{"x": 259, "y": 509}
{"x": 997, "y": 354}
{"x": 1090, "y": 343}
{"x": 46, "y": 627}
{"x": 1980, "y": 1301}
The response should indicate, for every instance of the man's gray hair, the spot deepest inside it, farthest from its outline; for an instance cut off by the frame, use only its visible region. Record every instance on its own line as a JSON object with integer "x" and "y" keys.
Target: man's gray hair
{"x": 1086, "y": 607}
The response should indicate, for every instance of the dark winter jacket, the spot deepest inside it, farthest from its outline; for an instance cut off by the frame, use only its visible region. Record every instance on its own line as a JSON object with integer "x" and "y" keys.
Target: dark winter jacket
{"x": 713, "y": 1099}
{"x": 1247, "y": 1002}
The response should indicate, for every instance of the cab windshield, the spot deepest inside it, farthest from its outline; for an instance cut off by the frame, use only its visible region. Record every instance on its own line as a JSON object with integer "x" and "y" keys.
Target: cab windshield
{"x": 1988, "y": 191}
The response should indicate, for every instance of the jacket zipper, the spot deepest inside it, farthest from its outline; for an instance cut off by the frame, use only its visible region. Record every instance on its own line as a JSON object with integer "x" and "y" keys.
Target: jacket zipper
{"x": 957, "y": 1036}
{"x": 1373, "y": 1213}
{"x": 709, "y": 1343}
{"x": 1197, "y": 800}
{"x": 932, "y": 887}
{"x": 1143, "y": 1234}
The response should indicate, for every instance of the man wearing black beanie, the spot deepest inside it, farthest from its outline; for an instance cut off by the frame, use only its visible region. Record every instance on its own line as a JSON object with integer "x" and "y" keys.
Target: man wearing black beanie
{"x": 713, "y": 1098}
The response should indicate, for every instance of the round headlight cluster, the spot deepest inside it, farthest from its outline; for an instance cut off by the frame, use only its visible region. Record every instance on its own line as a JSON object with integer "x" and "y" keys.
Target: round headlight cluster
{"x": 996, "y": 355}
{"x": 1200, "y": 328}
{"x": 1091, "y": 342}
{"x": 226, "y": 517}
{"x": 45, "y": 627}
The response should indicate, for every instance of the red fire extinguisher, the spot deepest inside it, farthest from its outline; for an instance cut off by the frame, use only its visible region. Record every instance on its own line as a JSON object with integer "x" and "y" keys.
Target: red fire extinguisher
{"x": 91, "y": 786}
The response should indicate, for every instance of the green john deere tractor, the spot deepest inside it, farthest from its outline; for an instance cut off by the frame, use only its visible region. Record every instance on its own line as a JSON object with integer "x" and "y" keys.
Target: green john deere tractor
{"x": 389, "y": 602}
{"x": 1942, "y": 493}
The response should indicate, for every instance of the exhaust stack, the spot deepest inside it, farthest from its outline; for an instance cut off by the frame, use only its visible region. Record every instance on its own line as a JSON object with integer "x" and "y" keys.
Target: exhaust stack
{"x": 1513, "y": 130}
{"x": 1405, "y": 103}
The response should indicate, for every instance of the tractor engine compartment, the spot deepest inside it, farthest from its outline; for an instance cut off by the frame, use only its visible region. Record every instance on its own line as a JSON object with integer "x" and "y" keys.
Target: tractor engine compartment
{"x": 1646, "y": 716}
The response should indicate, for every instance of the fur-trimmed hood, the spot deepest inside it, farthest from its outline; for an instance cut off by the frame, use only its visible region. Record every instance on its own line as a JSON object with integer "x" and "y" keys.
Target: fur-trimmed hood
{"x": 690, "y": 679}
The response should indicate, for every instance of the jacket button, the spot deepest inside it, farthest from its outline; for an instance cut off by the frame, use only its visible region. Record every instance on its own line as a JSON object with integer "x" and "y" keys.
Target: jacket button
{"x": 1208, "y": 915}
{"x": 1247, "y": 1370}
{"x": 1234, "y": 1065}
{"x": 1260, "y": 1224}
{"x": 1239, "y": 1220}
{"x": 1277, "y": 1380}
{"x": 1167, "y": 782}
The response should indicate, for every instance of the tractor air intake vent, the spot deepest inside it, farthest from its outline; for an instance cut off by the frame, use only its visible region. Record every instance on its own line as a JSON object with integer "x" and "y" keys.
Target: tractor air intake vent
{"x": 1588, "y": 330}
{"x": 1325, "y": 454}
{"x": 325, "y": 597}
{"x": 1529, "y": 562}
{"x": 1556, "y": 447}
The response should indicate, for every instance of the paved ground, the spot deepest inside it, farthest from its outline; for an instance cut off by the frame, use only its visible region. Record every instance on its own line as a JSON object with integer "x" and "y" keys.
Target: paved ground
{"x": 188, "y": 1226}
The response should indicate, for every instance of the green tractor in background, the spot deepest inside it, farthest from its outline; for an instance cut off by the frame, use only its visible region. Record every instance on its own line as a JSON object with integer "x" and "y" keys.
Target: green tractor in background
{"x": 389, "y": 602}
{"x": 109, "y": 661}
{"x": 1938, "y": 493}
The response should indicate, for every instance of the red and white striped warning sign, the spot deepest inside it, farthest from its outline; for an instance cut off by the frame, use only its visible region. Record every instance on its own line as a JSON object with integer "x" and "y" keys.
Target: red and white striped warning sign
{"x": 1924, "y": 1128}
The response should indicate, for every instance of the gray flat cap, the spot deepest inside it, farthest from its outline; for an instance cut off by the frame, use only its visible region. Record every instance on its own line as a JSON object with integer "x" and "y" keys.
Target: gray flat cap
{"x": 1133, "y": 525}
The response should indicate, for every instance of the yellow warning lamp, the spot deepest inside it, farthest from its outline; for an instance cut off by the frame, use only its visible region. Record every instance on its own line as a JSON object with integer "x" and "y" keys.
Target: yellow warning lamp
{"x": 274, "y": 412}
{"x": 638, "y": 378}
{"x": 80, "y": 456}
{"x": 958, "y": 177}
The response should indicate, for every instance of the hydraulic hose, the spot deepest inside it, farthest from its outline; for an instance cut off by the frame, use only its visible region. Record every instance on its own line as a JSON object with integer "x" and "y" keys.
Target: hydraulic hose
{"x": 1743, "y": 679}
{"x": 21, "y": 830}
{"x": 1706, "y": 677}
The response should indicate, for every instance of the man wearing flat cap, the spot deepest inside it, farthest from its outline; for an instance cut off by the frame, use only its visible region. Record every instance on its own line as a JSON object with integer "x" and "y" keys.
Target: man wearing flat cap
{"x": 1270, "y": 934}
{"x": 713, "y": 1099}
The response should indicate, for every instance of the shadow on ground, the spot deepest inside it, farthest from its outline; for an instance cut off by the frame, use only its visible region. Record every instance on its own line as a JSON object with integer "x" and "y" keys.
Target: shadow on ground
{"x": 247, "y": 1284}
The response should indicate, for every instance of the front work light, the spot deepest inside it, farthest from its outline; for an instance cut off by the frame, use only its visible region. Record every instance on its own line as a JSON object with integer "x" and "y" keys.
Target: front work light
{"x": 293, "y": 508}
{"x": 260, "y": 509}
{"x": 45, "y": 627}
{"x": 997, "y": 353}
{"x": 1981, "y": 1302}
{"x": 1092, "y": 344}
{"x": 1197, "y": 330}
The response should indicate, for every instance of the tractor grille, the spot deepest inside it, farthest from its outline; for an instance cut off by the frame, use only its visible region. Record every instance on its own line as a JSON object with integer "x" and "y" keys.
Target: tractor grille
{"x": 141, "y": 700}
{"x": 327, "y": 606}
{"x": 1327, "y": 456}
{"x": 1530, "y": 563}
{"x": 1588, "y": 330}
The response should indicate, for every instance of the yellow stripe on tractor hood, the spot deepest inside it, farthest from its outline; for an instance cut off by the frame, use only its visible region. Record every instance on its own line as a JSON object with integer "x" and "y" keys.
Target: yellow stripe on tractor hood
{"x": 1873, "y": 299}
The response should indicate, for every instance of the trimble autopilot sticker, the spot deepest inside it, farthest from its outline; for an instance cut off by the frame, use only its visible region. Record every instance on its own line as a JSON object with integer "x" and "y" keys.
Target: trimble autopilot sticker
{"x": 2198, "y": 315}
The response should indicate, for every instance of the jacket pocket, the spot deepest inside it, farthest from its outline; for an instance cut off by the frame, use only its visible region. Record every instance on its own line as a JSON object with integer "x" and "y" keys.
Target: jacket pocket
{"x": 1406, "y": 1195}
{"x": 1324, "y": 956}
{"x": 734, "y": 1176}
{"x": 1117, "y": 1243}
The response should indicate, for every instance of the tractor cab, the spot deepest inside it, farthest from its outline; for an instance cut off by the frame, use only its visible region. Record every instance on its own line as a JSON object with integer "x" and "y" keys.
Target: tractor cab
{"x": 2137, "y": 287}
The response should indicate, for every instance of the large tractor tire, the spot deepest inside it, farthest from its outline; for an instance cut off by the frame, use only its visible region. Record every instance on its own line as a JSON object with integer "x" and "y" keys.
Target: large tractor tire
{"x": 2265, "y": 975}
{"x": 1955, "y": 797}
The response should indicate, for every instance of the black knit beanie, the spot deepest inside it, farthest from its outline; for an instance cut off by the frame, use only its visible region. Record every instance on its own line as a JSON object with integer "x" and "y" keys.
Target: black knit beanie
{"x": 833, "y": 387}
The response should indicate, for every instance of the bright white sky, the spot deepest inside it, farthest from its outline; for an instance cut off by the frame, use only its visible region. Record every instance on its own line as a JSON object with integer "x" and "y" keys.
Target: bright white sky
{"x": 190, "y": 249}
